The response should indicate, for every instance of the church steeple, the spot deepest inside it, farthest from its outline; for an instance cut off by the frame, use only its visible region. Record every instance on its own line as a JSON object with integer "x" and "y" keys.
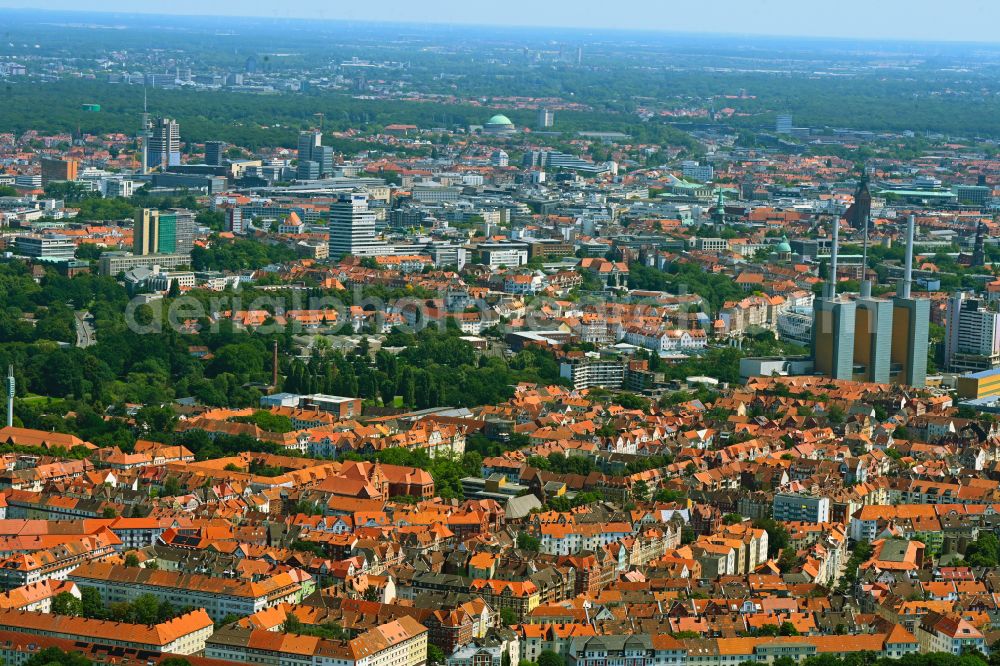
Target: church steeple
{"x": 719, "y": 214}
{"x": 979, "y": 250}
{"x": 859, "y": 212}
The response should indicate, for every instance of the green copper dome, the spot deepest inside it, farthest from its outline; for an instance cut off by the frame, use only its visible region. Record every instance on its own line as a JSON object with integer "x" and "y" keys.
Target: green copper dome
{"x": 784, "y": 246}
{"x": 499, "y": 119}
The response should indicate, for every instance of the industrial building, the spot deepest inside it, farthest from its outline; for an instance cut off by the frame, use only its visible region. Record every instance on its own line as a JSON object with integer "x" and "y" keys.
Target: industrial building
{"x": 863, "y": 338}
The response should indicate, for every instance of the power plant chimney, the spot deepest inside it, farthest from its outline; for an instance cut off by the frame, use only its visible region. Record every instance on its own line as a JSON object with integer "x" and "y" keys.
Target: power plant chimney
{"x": 831, "y": 283}
{"x": 907, "y": 282}
{"x": 866, "y": 284}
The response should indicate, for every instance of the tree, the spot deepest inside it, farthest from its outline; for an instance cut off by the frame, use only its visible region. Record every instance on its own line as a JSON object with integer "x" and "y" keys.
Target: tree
{"x": 228, "y": 619}
{"x": 292, "y": 624}
{"x": 171, "y": 487}
{"x": 669, "y": 496}
{"x": 528, "y": 542}
{"x": 65, "y": 603}
{"x": 91, "y": 604}
{"x": 862, "y": 552}
{"x": 53, "y": 656}
{"x": 777, "y": 535}
{"x": 550, "y": 658}
{"x": 787, "y": 629}
{"x": 435, "y": 655}
{"x": 508, "y": 617}
{"x": 788, "y": 560}
{"x": 145, "y": 609}
{"x": 174, "y": 661}
{"x": 984, "y": 551}
{"x": 131, "y": 560}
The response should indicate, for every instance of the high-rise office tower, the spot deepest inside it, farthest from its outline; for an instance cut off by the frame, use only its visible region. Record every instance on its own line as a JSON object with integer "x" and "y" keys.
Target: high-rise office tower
{"x": 183, "y": 230}
{"x": 146, "y": 232}
{"x": 910, "y": 325}
{"x": 307, "y": 170}
{"x": 311, "y": 149}
{"x": 59, "y": 169}
{"x": 162, "y": 232}
{"x": 166, "y": 233}
{"x": 352, "y": 226}
{"x": 833, "y": 324}
{"x": 234, "y": 220}
{"x": 164, "y": 144}
{"x": 323, "y": 155}
{"x": 972, "y": 335}
{"x": 214, "y": 150}
{"x": 783, "y": 124}
{"x": 546, "y": 118}
{"x": 308, "y": 141}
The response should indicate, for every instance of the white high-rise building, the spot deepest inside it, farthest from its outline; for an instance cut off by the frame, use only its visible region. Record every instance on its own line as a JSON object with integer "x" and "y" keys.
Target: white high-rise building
{"x": 972, "y": 335}
{"x": 352, "y": 227}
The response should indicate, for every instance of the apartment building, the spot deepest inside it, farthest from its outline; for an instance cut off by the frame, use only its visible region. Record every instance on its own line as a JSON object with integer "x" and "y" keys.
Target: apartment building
{"x": 521, "y": 597}
{"x": 793, "y": 506}
{"x": 218, "y": 596}
{"x": 949, "y": 633}
{"x": 56, "y": 562}
{"x": 402, "y": 642}
{"x": 560, "y": 539}
{"x": 185, "y": 634}
{"x": 634, "y": 650}
{"x": 590, "y": 372}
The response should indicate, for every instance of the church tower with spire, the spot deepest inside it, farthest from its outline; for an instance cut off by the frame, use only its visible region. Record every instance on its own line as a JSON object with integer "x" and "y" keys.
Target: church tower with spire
{"x": 719, "y": 212}
{"x": 860, "y": 211}
{"x": 979, "y": 250}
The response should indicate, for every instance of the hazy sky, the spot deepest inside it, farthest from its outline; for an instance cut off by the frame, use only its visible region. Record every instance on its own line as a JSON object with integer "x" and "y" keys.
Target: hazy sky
{"x": 955, "y": 20}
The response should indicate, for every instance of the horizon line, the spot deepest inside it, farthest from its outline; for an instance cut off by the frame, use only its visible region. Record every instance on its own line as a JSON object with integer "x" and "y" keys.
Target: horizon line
{"x": 522, "y": 26}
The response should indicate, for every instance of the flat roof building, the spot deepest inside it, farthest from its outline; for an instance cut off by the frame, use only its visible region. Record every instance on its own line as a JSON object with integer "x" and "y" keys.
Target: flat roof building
{"x": 47, "y": 247}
